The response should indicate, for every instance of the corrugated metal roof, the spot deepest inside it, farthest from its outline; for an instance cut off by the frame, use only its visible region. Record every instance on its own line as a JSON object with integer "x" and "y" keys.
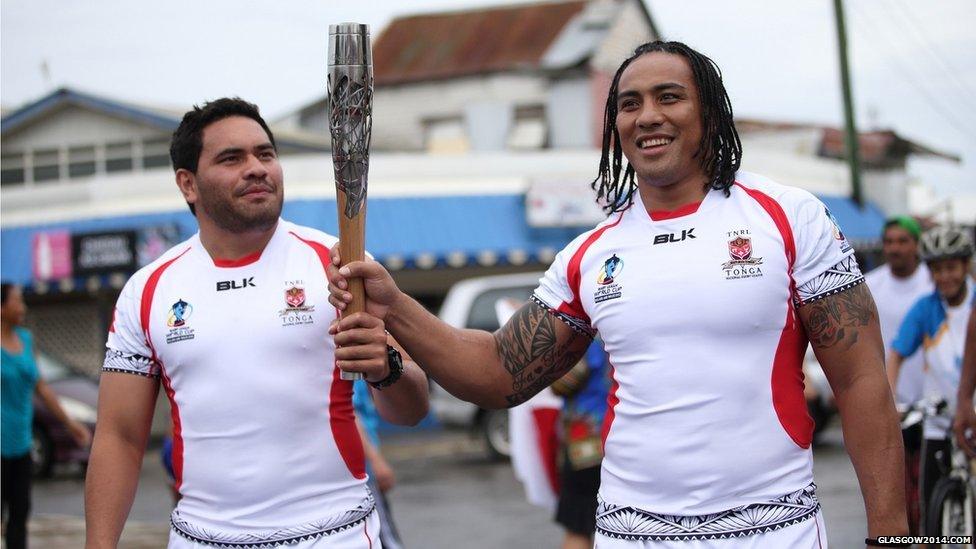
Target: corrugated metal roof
{"x": 877, "y": 148}
{"x": 165, "y": 119}
{"x": 445, "y": 45}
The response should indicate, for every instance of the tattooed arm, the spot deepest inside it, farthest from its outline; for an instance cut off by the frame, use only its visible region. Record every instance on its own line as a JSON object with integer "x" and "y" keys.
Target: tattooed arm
{"x": 495, "y": 370}
{"x": 843, "y": 329}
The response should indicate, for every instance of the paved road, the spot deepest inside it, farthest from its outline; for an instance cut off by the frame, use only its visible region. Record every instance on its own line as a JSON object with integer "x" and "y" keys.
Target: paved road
{"x": 448, "y": 496}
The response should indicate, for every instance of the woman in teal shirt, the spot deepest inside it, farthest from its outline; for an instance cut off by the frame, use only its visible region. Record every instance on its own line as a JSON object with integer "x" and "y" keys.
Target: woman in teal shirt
{"x": 19, "y": 382}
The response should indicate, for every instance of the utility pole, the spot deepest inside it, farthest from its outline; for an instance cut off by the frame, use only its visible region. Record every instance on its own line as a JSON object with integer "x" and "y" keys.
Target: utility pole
{"x": 850, "y": 135}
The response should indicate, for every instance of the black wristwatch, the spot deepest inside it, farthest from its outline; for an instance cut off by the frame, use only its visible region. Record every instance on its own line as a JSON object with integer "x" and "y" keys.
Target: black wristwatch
{"x": 395, "y": 361}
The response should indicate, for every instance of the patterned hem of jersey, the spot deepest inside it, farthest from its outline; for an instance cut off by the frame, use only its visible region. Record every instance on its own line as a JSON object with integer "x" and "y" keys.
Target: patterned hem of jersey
{"x": 842, "y": 276}
{"x": 133, "y": 372}
{"x": 578, "y": 325}
{"x": 834, "y": 291}
{"x": 633, "y": 524}
{"x": 275, "y": 538}
{"x": 130, "y": 363}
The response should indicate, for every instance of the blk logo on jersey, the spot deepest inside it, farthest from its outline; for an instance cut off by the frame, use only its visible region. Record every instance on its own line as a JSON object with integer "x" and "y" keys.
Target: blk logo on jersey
{"x": 225, "y": 285}
{"x": 296, "y": 311}
{"x": 176, "y": 319}
{"x": 845, "y": 246}
{"x": 673, "y": 237}
{"x": 608, "y": 287}
{"x": 742, "y": 264}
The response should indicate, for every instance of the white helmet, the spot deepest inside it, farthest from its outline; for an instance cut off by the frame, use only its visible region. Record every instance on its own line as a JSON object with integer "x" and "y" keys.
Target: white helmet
{"x": 945, "y": 243}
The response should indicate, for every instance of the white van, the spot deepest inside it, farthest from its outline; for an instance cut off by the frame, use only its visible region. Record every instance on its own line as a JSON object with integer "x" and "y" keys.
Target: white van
{"x": 471, "y": 304}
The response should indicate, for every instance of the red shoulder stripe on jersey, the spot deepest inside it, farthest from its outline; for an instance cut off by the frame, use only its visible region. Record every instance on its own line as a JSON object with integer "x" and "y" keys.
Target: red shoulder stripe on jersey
{"x": 177, "y": 429}
{"x": 786, "y": 381}
{"x": 244, "y": 261}
{"x": 145, "y": 312}
{"x": 687, "y": 209}
{"x": 574, "y": 277}
{"x": 612, "y": 401}
{"x": 787, "y": 376}
{"x": 341, "y": 416}
{"x": 148, "y": 291}
{"x": 776, "y": 212}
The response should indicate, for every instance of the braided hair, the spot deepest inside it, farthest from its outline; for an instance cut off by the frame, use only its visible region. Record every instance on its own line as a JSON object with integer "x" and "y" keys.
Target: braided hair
{"x": 719, "y": 152}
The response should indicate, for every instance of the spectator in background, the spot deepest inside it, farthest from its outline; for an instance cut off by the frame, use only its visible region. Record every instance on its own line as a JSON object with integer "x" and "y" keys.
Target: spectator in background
{"x": 937, "y": 324}
{"x": 585, "y": 390}
{"x": 19, "y": 383}
{"x": 896, "y": 285}
{"x": 381, "y": 476}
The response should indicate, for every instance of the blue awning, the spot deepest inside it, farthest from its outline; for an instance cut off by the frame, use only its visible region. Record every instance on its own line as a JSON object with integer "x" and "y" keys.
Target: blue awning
{"x": 861, "y": 226}
{"x": 403, "y": 233}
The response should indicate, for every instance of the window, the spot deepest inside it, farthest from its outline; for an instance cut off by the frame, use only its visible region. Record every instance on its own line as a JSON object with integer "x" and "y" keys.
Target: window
{"x": 446, "y": 135}
{"x": 46, "y": 165}
{"x": 12, "y": 168}
{"x": 483, "y": 315}
{"x": 81, "y": 161}
{"x": 529, "y": 130}
{"x": 155, "y": 153}
{"x": 118, "y": 157}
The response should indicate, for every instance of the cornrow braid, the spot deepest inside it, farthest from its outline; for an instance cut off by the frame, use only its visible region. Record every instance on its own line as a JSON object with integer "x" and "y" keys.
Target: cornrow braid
{"x": 719, "y": 152}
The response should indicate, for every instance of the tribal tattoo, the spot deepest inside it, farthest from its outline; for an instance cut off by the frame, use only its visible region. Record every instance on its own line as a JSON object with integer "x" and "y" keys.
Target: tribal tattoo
{"x": 837, "y": 319}
{"x": 531, "y": 350}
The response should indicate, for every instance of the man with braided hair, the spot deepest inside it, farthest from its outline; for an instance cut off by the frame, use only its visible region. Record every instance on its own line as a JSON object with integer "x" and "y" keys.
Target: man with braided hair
{"x": 706, "y": 284}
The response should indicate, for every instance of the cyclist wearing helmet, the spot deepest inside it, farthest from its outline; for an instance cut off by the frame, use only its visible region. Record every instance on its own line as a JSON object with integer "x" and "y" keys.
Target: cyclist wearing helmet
{"x": 937, "y": 323}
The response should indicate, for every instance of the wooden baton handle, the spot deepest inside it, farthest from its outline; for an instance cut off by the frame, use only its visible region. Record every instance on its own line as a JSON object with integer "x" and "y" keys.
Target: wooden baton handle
{"x": 352, "y": 247}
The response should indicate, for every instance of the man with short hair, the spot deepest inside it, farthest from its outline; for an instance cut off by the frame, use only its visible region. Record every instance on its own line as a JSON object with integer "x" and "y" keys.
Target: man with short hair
{"x": 937, "y": 325}
{"x": 234, "y": 324}
{"x": 705, "y": 285}
{"x": 896, "y": 286}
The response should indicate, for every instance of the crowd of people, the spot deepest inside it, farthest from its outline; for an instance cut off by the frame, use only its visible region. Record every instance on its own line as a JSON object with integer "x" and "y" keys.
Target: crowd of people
{"x": 701, "y": 341}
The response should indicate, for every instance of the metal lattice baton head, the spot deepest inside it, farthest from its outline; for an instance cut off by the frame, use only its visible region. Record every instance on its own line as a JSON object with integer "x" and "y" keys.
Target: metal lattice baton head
{"x": 350, "y": 110}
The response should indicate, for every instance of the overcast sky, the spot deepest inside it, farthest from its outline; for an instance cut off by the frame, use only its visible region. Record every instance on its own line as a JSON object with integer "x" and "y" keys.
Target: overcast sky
{"x": 913, "y": 63}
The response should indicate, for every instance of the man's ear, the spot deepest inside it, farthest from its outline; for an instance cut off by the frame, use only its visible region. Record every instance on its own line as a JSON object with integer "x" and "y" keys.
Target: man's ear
{"x": 187, "y": 182}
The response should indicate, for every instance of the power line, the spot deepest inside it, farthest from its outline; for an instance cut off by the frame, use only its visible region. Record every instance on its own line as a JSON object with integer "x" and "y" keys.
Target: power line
{"x": 934, "y": 52}
{"x": 950, "y": 117}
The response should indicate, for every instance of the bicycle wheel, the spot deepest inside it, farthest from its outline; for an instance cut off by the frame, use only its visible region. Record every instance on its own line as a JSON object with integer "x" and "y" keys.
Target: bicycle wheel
{"x": 950, "y": 512}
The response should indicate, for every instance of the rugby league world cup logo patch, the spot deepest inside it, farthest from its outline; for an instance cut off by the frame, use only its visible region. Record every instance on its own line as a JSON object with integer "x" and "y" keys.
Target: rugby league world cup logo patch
{"x": 742, "y": 264}
{"x": 607, "y": 285}
{"x": 176, "y": 319}
{"x": 296, "y": 311}
{"x": 845, "y": 246}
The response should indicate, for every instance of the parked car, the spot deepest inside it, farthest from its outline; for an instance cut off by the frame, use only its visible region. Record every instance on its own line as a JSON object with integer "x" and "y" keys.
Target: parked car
{"x": 78, "y": 396}
{"x": 471, "y": 304}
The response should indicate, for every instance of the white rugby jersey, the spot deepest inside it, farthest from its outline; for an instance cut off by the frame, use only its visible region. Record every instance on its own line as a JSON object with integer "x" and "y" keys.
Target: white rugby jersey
{"x": 265, "y": 445}
{"x": 697, "y": 311}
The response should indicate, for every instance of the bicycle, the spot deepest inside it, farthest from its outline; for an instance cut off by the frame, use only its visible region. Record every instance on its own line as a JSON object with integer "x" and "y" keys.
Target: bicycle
{"x": 912, "y": 417}
{"x": 950, "y": 510}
